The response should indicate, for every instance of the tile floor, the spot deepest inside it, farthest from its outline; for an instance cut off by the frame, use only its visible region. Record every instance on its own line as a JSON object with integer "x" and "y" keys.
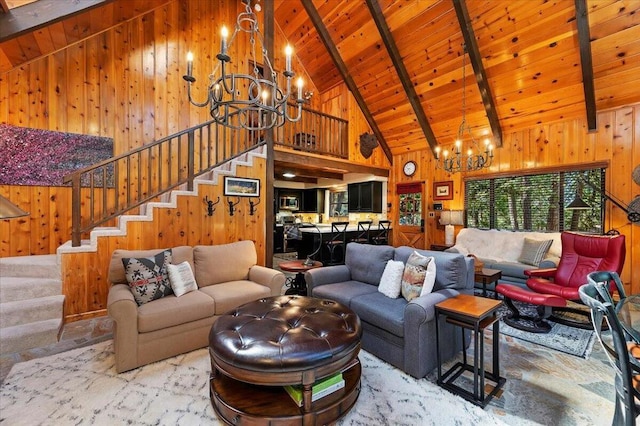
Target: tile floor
{"x": 543, "y": 386}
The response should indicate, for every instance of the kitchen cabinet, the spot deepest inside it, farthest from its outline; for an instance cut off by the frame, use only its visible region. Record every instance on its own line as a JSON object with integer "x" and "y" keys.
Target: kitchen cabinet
{"x": 365, "y": 197}
{"x": 313, "y": 201}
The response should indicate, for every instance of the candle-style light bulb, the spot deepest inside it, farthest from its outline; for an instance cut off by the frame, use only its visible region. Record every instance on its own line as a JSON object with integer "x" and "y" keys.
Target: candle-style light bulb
{"x": 437, "y": 152}
{"x": 190, "y": 64}
{"x": 265, "y": 96}
{"x": 225, "y": 33}
{"x": 445, "y": 154}
{"x": 288, "y": 51}
{"x": 458, "y": 144}
{"x": 300, "y": 83}
{"x": 469, "y": 152}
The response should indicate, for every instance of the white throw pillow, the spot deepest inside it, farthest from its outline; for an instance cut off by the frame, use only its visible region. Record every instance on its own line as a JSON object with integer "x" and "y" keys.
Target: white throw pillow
{"x": 181, "y": 278}
{"x": 391, "y": 280}
{"x": 429, "y": 278}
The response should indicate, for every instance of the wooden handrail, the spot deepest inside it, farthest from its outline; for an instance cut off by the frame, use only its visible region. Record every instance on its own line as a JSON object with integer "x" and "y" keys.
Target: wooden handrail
{"x": 122, "y": 183}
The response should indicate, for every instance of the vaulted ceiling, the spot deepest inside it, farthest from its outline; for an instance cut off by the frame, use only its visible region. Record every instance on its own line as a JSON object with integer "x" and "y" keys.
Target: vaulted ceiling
{"x": 528, "y": 67}
{"x": 526, "y": 64}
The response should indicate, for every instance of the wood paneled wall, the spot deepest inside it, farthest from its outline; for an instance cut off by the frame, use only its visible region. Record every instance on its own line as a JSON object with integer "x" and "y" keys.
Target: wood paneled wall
{"x": 85, "y": 275}
{"x": 556, "y": 144}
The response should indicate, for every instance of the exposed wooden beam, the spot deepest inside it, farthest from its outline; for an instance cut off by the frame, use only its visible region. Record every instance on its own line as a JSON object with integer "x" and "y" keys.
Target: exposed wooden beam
{"x": 36, "y": 15}
{"x": 481, "y": 76}
{"x": 584, "y": 38}
{"x": 320, "y": 163}
{"x": 295, "y": 168}
{"x": 342, "y": 68}
{"x": 4, "y": 7}
{"x": 405, "y": 79}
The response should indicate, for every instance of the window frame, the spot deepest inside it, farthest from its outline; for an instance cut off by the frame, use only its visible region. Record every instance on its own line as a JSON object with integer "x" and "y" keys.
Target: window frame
{"x": 562, "y": 197}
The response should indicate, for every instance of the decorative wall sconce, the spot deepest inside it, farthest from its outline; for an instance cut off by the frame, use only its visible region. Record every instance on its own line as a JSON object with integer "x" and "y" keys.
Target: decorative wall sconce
{"x": 232, "y": 205}
{"x": 252, "y": 207}
{"x": 210, "y": 205}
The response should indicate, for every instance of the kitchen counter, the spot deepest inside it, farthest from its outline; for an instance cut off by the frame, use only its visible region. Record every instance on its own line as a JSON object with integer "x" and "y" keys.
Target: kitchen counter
{"x": 312, "y": 238}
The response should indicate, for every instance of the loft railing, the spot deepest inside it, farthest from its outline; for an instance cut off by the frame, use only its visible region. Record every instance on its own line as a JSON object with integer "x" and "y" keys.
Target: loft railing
{"x": 316, "y": 132}
{"x": 113, "y": 187}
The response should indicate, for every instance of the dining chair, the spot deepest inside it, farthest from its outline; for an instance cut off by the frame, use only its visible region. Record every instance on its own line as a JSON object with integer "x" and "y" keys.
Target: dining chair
{"x": 336, "y": 244}
{"x": 364, "y": 229}
{"x": 627, "y": 367}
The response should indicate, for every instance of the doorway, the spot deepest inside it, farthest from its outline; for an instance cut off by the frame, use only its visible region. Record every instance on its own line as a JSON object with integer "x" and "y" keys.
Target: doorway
{"x": 411, "y": 231}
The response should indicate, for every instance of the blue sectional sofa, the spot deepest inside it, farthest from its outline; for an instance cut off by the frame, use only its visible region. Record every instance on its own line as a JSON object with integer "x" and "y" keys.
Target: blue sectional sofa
{"x": 399, "y": 332}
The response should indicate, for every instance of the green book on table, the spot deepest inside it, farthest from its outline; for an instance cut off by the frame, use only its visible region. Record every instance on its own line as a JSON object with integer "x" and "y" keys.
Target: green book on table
{"x": 320, "y": 389}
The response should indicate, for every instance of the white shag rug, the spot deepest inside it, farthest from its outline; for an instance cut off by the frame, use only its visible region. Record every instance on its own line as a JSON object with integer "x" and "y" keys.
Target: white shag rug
{"x": 81, "y": 387}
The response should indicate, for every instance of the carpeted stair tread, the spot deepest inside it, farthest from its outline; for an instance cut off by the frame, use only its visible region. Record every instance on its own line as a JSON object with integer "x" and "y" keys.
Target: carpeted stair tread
{"x": 40, "y": 266}
{"x": 21, "y": 288}
{"x": 33, "y": 335}
{"x": 30, "y": 310}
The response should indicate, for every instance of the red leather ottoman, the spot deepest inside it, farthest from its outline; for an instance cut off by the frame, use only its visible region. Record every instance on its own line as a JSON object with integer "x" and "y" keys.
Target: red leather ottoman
{"x": 544, "y": 302}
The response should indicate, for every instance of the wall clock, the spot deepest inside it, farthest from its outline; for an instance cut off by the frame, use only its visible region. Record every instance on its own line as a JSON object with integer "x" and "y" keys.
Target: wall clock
{"x": 409, "y": 168}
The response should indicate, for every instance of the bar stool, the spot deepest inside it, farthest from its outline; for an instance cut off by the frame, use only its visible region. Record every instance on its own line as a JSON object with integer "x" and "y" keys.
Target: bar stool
{"x": 338, "y": 240}
{"x": 364, "y": 229}
{"x": 382, "y": 237}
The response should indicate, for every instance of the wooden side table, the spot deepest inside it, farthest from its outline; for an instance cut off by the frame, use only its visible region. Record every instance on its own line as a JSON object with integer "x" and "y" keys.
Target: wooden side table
{"x": 487, "y": 276}
{"x": 299, "y": 285}
{"x": 474, "y": 313}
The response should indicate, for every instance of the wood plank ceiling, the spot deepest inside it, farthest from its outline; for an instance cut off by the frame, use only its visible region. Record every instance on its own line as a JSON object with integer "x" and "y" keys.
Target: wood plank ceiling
{"x": 528, "y": 68}
{"x": 529, "y": 51}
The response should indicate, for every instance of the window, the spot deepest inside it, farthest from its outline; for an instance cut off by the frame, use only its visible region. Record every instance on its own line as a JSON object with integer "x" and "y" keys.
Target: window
{"x": 338, "y": 204}
{"x": 537, "y": 202}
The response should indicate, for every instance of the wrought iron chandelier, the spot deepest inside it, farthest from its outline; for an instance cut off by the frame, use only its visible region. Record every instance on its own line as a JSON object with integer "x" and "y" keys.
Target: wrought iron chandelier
{"x": 473, "y": 159}
{"x": 253, "y": 102}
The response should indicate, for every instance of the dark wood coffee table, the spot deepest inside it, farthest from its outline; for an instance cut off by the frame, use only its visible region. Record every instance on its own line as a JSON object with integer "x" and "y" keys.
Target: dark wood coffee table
{"x": 261, "y": 346}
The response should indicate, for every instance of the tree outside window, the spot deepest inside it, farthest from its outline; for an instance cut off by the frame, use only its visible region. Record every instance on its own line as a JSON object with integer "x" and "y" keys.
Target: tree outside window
{"x": 536, "y": 202}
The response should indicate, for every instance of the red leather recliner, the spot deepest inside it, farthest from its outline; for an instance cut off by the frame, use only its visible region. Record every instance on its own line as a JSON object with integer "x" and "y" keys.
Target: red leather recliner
{"x": 552, "y": 288}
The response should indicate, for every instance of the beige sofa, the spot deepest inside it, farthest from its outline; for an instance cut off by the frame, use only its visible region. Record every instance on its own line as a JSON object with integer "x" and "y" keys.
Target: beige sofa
{"x": 227, "y": 276}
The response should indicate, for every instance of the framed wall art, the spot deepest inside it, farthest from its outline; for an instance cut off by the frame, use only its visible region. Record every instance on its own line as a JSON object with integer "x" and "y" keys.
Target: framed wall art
{"x": 241, "y": 187}
{"x": 443, "y": 190}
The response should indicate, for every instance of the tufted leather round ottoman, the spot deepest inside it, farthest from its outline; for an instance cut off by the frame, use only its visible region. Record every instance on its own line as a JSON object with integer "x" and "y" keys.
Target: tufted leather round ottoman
{"x": 283, "y": 340}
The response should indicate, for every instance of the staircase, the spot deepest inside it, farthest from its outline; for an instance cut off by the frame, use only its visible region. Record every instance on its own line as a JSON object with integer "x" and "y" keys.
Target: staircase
{"x": 31, "y": 302}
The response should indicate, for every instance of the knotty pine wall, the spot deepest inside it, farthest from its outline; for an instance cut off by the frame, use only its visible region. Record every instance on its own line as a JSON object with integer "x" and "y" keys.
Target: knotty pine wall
{"x": 124, "y": 83}
{"x": 85, "y": 275}
{"x": 617, "y": 141}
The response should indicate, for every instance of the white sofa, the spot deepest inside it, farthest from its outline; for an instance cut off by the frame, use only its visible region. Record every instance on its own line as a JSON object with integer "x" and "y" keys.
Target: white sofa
{"x": 500, "y": 249}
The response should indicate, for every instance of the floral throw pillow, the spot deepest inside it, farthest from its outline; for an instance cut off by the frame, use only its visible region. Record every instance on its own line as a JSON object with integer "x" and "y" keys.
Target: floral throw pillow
{"x": 415, "y": 271}
{"x": 148, "y": 277}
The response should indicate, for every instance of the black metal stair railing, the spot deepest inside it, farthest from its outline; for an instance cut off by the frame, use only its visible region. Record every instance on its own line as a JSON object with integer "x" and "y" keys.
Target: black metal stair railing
{"x": 113, "y": 187}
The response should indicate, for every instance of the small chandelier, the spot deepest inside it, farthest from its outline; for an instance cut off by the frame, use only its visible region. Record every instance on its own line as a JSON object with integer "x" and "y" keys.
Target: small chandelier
{"x": 247, "y": 101}
{"x": 472, "y": 161}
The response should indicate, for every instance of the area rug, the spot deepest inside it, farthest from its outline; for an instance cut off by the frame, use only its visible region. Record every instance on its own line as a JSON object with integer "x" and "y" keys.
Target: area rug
{"x": 562, "y": 338}
{"x": 81, "y": 387}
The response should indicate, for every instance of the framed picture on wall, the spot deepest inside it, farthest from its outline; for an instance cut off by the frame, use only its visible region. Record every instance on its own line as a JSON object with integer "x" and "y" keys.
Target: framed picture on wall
{"x": 443, "y": 190}
{"x": 241, "y": 187}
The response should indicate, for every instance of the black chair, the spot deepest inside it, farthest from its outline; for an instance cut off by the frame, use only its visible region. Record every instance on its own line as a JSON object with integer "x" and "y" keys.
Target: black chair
{"x": 596, "y": 295}
{"x": 364, "y": 230}
{"x": 382, "y": 236}
{"x": 337, "y": 242}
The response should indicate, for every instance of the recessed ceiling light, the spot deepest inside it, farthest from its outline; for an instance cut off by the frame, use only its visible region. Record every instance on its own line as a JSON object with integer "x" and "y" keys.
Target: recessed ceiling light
{"x": 288, "y": 175}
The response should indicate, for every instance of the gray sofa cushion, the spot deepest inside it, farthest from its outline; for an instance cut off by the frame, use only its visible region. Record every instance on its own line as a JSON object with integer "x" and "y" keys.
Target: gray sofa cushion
{"x": 450, "y": 267}
{"x": 344, "y": 292}
{"x": 381, "y": 311}
{"x": 367, "y": 261}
